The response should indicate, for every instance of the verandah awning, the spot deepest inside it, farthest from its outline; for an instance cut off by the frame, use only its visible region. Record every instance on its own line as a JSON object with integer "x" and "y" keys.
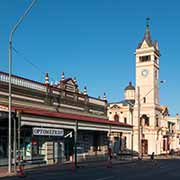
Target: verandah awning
{"x": 45, "y": 118}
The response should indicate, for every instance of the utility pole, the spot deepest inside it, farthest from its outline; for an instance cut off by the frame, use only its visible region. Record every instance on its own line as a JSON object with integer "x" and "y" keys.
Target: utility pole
{"x": 139, "y": 123}
{"x": 10, "y": 74}
{"x": 14, "y": 144}
{"x": 132, "y": 136}
{"x": 19, "y": 136}
{"x": 75, "y": 143}
{"x": 10, "y": 104}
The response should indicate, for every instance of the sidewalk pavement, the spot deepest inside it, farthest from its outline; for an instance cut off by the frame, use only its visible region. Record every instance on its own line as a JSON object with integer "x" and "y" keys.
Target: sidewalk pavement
{"x": 4, "y": 172}
{"x": 66, "y": 166}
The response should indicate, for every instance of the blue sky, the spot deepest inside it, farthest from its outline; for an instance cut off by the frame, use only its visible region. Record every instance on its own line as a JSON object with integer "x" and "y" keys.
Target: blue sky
{"x": 94, "y": 40}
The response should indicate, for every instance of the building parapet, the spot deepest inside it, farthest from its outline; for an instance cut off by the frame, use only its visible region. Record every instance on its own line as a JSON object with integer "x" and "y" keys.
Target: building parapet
{"x": 22, "y": 82}
{"x": 31, "y": 92}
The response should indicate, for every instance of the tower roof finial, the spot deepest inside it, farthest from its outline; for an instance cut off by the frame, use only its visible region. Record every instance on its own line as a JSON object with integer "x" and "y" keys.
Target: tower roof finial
{"x": 75, "y": 80}
{"x": 62, "y": 76}
{"x": 105, "y": 98}
{"x": 147, "y": 21}
{"x": 47, "y": 79}
{"x": 85, "y": 90}
{"x": 147, "y": 34}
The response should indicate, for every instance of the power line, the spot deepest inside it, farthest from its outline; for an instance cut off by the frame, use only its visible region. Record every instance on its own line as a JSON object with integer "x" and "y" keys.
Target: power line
{"x": 30, "y": 62}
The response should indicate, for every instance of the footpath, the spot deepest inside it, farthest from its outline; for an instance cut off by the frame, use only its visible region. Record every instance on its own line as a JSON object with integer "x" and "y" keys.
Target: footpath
{"x": 66, "y": 166}
{"x": 4, "y": 172}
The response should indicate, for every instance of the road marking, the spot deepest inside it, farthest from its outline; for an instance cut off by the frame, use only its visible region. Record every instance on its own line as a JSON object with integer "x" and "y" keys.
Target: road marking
{"x": 105, "y": 178}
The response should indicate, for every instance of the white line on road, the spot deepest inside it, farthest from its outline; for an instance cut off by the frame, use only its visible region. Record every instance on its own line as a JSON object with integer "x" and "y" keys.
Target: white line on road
{"x": 105, "y": 178}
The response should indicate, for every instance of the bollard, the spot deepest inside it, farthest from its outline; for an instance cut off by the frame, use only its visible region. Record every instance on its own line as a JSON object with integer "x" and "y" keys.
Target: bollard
{"x": 72, "y": 165}
{"x": 20, "y": 171}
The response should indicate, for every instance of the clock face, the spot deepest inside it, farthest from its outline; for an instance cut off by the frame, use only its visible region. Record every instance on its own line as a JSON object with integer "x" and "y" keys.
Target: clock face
{"x": 144, "y": 72}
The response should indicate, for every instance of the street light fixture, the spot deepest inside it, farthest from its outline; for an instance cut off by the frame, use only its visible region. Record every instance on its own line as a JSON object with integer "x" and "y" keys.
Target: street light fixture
{"x": 10, "y": 74}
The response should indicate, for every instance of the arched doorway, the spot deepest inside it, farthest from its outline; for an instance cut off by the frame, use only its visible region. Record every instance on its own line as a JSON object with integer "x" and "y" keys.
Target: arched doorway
{"x": 144, "y": 121}
{"x": 144, "y": 146}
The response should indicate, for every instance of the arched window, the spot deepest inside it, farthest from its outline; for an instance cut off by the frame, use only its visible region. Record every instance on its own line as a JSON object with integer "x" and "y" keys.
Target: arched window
{"x": 116, "y": 117}
{"x": 145, "y": 120}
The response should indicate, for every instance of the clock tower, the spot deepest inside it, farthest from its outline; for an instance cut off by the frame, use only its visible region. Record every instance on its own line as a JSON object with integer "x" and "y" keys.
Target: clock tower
{"x": 147, "y": 79}
{"x": 147, "y": 69}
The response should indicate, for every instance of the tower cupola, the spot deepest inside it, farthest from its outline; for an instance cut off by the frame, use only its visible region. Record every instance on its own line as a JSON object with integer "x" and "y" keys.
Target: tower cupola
{"x": 129, "y": 92}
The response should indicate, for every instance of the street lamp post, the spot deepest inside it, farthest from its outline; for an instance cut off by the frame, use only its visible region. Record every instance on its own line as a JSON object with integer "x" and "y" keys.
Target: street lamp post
{"x": 10, "y": 73}
{"x": 139, "y": 130}
{"x": 75, "y": 143}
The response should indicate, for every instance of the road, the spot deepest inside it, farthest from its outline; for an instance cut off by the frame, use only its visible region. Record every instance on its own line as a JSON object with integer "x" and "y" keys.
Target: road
{"x": 146, "y": 170}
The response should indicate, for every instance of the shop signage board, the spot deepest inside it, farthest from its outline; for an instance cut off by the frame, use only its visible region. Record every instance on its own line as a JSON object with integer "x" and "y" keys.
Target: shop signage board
{"x": 47, "y": 132}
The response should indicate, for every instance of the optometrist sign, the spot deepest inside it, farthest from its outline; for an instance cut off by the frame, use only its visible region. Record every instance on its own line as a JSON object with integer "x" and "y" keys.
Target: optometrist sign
{"x": 48, "y": 132}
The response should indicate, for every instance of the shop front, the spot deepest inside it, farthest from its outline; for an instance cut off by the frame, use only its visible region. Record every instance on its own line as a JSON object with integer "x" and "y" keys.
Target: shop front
{"x": 3, "y": 142}
{"x": 4, "y": 137}
{"x": 52, "y": 138}
{"x": 51, "y": 149}
{"x": 42, "y": 145}
{"x": 91, "y": 140}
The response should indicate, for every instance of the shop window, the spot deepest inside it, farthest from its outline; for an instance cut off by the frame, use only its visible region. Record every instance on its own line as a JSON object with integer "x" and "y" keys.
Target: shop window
{"x": 3, "y": 144}
{"x": 38, "y": 147}
{"x": 116, "y": 117}
{"x": 96, "y": 141}
{"x": 35, "y": 148}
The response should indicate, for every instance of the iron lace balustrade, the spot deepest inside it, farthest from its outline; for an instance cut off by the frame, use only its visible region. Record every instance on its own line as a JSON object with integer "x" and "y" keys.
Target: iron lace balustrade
{"x": 22, "y": 82}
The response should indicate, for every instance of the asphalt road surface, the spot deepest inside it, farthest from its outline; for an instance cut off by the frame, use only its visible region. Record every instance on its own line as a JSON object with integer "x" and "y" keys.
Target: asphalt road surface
{"x": 146, "y": 170}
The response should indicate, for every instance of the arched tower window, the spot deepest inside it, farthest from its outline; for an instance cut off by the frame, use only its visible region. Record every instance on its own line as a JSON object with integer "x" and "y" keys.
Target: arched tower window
{"x": 145, "y": 120}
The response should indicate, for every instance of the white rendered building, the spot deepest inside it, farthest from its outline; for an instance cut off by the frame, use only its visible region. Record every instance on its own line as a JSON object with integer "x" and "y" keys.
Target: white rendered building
{"x": 153, "y": 129}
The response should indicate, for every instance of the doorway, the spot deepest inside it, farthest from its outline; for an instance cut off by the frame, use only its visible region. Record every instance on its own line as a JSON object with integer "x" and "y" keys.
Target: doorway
{"x": 144, "y": 146}
{"x": 58, "y": 152}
